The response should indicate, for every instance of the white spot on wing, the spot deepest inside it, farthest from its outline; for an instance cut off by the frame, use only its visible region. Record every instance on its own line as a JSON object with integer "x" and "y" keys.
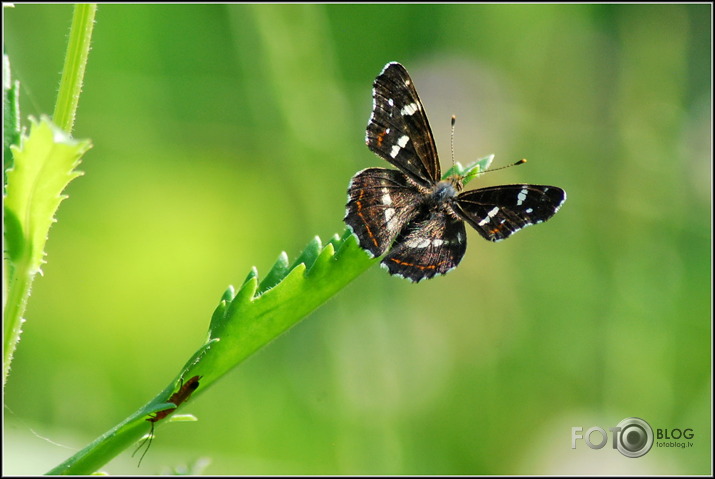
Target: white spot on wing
{"x": 386, "y": 198}
{"x": 426, "y": 242}
{"x": 400, "y": 144}
{"x": 521, "y": 196}
{"x": 417, "y": 243}
{"x": 389, "y": 213}
{"x": 491, "y": 214}
{"x": 410, "y": 109}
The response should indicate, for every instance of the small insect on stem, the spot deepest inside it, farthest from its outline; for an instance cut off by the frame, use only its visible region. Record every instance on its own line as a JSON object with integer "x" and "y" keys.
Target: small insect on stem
{"x": 177, "y": 398}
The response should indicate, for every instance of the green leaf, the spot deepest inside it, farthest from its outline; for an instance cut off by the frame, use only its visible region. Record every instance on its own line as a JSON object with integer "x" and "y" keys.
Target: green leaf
{"x": 44, "y": 164}
{"x": 471, "y": 171}
{"x": 242, "y": 323}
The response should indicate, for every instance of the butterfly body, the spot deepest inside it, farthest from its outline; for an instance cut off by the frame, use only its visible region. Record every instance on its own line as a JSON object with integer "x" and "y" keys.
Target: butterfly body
{"x": 413, "y": 215}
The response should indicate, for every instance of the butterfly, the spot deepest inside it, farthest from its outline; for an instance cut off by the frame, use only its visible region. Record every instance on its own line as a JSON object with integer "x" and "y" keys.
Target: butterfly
{"x": 413, "y": 215}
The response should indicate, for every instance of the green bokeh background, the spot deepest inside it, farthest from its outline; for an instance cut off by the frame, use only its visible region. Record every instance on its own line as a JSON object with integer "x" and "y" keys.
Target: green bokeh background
{"x": 224, "y": 134}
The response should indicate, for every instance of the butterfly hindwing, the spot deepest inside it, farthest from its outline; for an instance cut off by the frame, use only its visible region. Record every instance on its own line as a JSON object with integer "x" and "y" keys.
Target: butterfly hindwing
{"x": 430, "y": 245}
{"x": 497, "y": 212}
{"x": 380, "y": 203}
{"x": 398, "y": 130}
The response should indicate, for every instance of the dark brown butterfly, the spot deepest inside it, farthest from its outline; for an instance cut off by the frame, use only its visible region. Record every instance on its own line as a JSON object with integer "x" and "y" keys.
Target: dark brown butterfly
{"x": 411, "y": 213}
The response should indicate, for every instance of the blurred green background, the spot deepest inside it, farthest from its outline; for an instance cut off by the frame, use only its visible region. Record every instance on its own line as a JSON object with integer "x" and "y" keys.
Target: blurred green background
{"x": 224, "y": 134}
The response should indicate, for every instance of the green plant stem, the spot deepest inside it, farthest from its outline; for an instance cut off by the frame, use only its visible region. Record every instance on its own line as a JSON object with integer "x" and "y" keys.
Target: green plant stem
{"x": 245, "y": 321}
{"x": 19, "y": 274}
{"x": 14, "y": 306}
{"x": 111, "y": 443}
{"x": 74, "y": 67}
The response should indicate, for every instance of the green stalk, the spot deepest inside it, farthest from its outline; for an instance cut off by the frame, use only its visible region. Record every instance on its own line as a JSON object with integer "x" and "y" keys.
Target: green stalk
{"x": 14, "y": 306}
{"x": 35, "y": 183}
{"x": 75, "y": 63}
{"x": 244, "y": 322}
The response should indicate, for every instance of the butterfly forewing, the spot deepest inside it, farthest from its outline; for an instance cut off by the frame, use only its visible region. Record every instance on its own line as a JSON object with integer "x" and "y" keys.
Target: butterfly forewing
{"x": 380, "y": 203}
{"x": 497, "y": 212}
{"x": 429, "y": 245}
{"x": 398, "y": 130}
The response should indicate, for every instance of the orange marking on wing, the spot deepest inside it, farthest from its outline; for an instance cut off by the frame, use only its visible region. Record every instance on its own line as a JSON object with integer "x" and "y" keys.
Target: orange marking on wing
{"x": 380, "y": 137}
{"x": 496, "y": 230}
{"x": 367, "y": 228}
{"x": 420, "y": 266}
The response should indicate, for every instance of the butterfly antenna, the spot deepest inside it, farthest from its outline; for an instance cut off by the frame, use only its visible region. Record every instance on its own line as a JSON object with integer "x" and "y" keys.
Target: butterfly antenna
{"x": 520, "y": 162}
{"x": 454, "y": 120}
